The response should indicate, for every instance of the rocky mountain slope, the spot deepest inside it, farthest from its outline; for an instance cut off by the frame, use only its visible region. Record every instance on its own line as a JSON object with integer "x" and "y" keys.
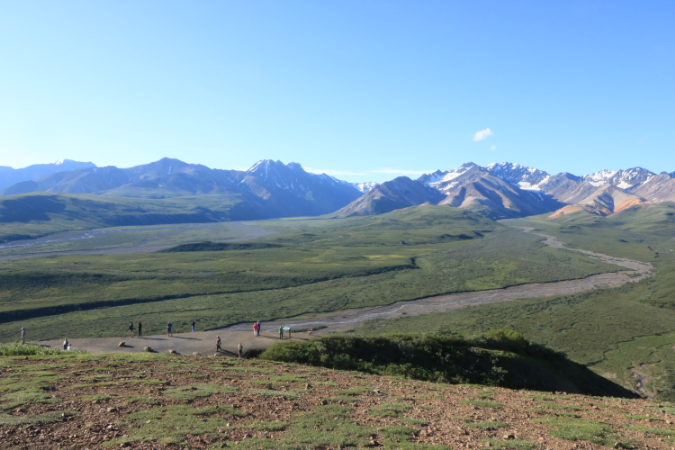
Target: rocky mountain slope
{"x": 503, "y": 190}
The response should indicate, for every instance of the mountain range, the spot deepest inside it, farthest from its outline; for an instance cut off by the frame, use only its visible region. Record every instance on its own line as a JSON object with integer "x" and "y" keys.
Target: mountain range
{"x": 273, "y": 189}
{"x": 10, "y": 176}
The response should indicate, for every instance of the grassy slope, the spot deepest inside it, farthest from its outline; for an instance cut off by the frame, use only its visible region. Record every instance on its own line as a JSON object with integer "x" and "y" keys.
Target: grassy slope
{"x": 317, "y": 265}
{"x": 611, "y": 330}
{"x": 501, "y": 358}
{"x": 39, "y": 214}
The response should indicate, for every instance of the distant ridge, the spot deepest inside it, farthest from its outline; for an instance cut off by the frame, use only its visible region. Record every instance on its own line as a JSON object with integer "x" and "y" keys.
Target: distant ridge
{"x": 10, "y": 176}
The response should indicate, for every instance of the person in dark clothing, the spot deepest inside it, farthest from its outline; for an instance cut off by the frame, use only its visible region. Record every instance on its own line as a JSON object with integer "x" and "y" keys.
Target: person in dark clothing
{"x": 168, "y": 329}
{"x": 194, "y": 324}
{"x": 131, "y": 329}
{"x": 218, "y": 344}
{"x": 140, "y": 329}
{"x": 65, "y": 344}
{"x": 281, "y": 332}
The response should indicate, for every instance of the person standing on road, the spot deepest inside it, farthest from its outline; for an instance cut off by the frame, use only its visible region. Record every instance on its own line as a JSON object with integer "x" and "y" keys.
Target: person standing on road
{"x": 194, "y": 324}
{"x": 168, "y": 329}
{"x": 255, "y": 329}
{"x": 65, "y": 344}
{"x": 259, "y": 327}
{"x": 218, "y": 344}
{"x": 23, "y": 336}
{"x": 240, "y": 349}
{"x": 140, "y": 329}
{"x": 131, "y": 329}
{"x": 281, "y": 333}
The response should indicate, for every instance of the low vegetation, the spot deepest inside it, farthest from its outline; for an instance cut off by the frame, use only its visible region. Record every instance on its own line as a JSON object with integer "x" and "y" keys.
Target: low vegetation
{"x": 610, "y": 330}
{"x": 500, "y": 358}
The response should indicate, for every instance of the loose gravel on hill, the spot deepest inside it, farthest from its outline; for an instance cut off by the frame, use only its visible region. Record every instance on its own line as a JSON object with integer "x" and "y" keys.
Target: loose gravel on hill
{"x": 150, "y": 401}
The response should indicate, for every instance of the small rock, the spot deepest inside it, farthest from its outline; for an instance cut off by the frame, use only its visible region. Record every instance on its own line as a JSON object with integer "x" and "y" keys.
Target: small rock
{"x": 508, "y": 437}
{"x": 172, "y": 351}
{"x": 324, "y": 402}
{"x": 111, "y": 410}
{"x": 122, "y": 344}
{"x": 196, "y": 353}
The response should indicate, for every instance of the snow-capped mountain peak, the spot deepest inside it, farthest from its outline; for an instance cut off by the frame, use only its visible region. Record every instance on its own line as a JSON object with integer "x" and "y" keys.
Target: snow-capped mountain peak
{"x": 525, "y": 177}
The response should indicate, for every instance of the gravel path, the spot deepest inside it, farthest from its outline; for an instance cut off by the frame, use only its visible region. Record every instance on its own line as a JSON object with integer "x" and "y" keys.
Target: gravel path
{"x": 203, "y": 342}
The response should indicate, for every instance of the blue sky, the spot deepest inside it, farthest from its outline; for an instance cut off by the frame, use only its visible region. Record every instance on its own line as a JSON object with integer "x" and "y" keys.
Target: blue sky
{"x": 364, "y": 90}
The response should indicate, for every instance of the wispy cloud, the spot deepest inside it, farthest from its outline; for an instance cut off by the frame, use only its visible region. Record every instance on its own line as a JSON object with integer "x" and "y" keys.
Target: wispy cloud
{"x": 643, "y": 139}
{"x": 482, "y": 134}
{"x": 331, "y": 172}
{"x": 401, "y": 171}
{"x": 493, "y": 148}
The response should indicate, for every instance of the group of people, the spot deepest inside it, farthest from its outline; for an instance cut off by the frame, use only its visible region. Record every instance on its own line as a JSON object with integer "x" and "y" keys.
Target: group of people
{"x": 169, "y": 327}
{"x": 240, "y": 347}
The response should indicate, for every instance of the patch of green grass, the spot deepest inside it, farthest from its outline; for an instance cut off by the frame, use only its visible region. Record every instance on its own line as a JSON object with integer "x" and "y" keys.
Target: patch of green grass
{"x": 650, "y": 430}
{"x": 581, "y": 430}
{"x": 390, "y": 409}
{"x": 144, "y": 399}
{"x": 188, "y": 393}
{"x": 11, "y": 385}
{"x": 353, "y": 391}
{"x": 88, "y": 385}
{"x": 10, "y": 420}
{"x": 325, "y": 383}
{"x": 27, "y": 397}
{"x": 288, "y": 377}
{"x": 637, "y": 417}
{"x": 397, "y": 433}
{"x": 171, "y": 424}
{"x": 273, "y": 393}
{"x": 264, "y": 425}
{"x": 488, "y": 426}
{"x": 334, "y": 410}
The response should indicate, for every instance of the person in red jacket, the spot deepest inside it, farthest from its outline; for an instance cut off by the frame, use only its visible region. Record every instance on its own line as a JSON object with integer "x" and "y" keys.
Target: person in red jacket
{"x": 218, "y": 344}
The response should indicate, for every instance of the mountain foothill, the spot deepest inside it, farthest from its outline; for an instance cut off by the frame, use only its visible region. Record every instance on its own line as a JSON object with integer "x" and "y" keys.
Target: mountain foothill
{"x": 271, "y": 189}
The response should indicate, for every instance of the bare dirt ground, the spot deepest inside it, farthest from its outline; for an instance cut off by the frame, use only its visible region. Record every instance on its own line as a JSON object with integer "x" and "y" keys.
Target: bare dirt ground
{"x": 189, "y": 402}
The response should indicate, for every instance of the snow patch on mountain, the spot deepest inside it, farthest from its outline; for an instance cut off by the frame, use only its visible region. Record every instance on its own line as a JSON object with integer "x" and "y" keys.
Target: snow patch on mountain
{"x": 366, "y": 187}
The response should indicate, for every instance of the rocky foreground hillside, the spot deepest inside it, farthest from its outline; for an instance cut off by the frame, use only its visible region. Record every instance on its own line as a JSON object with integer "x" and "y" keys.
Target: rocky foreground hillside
{"x": 151, "y": 401}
